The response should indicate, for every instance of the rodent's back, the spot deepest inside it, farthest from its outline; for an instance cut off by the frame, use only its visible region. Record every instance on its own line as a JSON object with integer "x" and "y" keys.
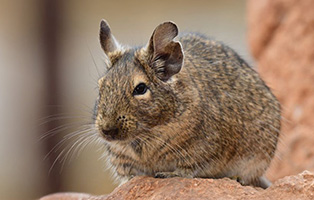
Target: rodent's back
{"x": 234, "y": 100}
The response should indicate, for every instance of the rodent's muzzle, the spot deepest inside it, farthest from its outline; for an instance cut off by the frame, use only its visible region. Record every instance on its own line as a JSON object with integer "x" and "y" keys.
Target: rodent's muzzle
{"x": 110, "y": 134}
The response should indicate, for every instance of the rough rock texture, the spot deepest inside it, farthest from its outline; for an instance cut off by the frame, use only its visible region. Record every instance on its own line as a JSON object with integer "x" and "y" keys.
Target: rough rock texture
{"x": 281, "y": 38}
{"x": 293, "y": 187}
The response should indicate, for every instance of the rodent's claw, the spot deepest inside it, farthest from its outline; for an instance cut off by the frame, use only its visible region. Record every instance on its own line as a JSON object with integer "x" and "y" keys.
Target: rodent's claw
{"x": 236, "y": 178}
{"x": 165, "y": 174}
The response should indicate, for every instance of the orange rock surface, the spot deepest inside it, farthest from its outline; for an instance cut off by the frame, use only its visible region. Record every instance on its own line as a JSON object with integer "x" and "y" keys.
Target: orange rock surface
{"x": 294, "y": 187}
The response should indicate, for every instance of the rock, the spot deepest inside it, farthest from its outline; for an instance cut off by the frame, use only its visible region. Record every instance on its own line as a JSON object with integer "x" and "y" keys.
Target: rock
{"x": 292, "y": 187}
{"x": 72, "y": 196}
{"x": 280, "y": 34}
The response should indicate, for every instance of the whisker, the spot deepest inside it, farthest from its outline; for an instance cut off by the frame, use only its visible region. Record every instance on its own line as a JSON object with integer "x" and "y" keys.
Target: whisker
{"x": 71, "y": 150}
{"x": 83, "y": 145}
{"x": 58, "y": 129}
{"x": 65, "y": 138}
{"x": 55, "y": 161}
{"x": 60, "y": 116}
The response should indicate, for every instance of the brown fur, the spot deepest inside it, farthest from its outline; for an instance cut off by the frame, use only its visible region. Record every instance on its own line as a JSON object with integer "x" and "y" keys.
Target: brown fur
{"x": 214, "y": 117}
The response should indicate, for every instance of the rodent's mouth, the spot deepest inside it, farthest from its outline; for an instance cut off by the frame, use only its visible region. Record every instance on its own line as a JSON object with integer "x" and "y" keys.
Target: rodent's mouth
{"x": 112, "y": 134}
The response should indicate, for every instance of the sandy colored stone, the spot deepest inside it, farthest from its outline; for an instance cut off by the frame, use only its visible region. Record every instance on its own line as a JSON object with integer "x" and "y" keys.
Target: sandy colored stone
{"x": 281, "y": 38}
{"x": 292, "y": 187}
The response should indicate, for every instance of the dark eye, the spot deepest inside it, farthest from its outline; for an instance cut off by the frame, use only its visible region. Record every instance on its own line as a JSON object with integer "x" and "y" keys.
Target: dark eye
{"x": 140, "y": 89}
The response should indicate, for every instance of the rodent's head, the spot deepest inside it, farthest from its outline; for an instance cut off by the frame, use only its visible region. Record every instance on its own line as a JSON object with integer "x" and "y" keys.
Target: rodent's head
{"x": 136, "y": 92}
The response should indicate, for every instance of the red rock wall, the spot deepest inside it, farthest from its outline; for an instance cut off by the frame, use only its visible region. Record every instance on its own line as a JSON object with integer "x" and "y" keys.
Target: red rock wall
{"x": 281, "y": 38}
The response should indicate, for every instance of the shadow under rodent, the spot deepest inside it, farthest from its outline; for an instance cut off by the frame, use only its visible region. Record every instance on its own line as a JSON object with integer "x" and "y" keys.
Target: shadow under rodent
{"x": 189, "y": 107}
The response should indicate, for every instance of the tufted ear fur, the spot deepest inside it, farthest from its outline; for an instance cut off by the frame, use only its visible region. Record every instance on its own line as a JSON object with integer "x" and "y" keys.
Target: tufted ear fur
{"x": 166, "y": 55}
{"x": 107, "y": 40}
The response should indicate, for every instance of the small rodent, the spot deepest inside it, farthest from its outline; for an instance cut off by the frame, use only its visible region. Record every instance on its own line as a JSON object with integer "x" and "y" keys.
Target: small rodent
{"x": 189, "y": 107}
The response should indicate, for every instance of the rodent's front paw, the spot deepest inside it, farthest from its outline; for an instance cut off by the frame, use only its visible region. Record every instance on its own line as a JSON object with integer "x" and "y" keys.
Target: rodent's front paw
{"x": 131, "y": 176}
{"x": 165, "y": 174}
{"x": 236, "y": 178}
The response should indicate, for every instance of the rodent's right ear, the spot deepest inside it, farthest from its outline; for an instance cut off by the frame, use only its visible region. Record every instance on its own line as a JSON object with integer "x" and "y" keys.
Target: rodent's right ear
{"x": 107, "y": 40}
{"x": 165, "y": 54}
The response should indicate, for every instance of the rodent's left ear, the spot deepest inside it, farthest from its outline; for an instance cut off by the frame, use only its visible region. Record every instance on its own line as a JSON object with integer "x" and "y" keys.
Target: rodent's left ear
{"x": 166, "y": 55}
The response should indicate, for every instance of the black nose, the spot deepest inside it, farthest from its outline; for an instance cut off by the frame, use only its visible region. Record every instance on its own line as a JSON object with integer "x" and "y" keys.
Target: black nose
{"x": 110, "y": 134}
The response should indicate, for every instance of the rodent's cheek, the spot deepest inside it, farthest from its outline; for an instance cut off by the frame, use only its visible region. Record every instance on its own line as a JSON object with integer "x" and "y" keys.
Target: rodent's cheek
{"x": 131, "y": 126}
{"x": 98, "y": 123}
{"x": 146, "y": 96}
{"x": 100, "y": 81}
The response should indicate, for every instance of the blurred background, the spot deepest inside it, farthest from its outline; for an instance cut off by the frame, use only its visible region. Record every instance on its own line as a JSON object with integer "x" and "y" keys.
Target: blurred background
{"x": 50, "y": 60}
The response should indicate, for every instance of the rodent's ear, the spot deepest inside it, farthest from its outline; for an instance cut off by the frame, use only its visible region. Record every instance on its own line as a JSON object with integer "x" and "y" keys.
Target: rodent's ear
{"x": 166, "y": 55}
{"x": 107, "y": 40}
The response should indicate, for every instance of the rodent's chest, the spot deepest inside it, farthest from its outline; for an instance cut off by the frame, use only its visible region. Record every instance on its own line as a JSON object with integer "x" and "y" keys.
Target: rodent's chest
{"x": 161, "y": 149}
{"x": 147, "y": 161}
